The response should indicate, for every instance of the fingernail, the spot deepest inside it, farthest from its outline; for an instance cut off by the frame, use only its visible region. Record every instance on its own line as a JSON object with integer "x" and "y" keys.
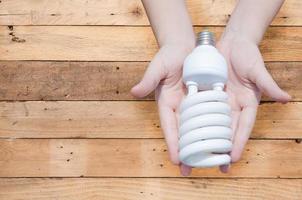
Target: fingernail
{"x": 185, "y": 170}
{"x": 224, "y": 168}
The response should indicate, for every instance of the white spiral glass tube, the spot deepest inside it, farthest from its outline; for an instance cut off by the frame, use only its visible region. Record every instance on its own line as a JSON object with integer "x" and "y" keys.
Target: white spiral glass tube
{"x": 204, "y": 132}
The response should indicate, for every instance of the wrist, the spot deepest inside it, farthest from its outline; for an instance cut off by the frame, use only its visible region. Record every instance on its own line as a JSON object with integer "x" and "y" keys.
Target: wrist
{"x": 251, "y": 18}
{"x": 182, "y": 45}
{"x": 176, "y": 51}
{"x": 232, "y": 39}
{"x": 232, "y": 34}
{"x": 185, "y": 37}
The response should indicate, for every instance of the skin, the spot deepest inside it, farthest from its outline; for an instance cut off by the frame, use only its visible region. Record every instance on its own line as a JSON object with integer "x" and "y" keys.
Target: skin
{"x": 248, "y": 77}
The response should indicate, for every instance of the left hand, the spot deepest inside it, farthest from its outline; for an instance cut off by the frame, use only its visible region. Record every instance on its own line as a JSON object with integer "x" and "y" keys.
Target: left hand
{"x": 247, "y": 80}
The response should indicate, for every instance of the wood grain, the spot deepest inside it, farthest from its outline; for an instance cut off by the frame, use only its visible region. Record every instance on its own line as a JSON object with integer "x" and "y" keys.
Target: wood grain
{"x": 136, "y": 158}
{"x": 93, "y": 43}
{"x": 36, "y": 80}
{"x": 115, "y": 149}
{"x": 122, "y": 119}
{"x": 119, "y": 12}
{"x": 27, "y": 80}
{"x": 149, "y": 188}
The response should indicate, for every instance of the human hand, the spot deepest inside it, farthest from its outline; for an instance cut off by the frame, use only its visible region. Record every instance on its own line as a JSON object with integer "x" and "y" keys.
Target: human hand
{"x": 248, "y": 79}
{"x": 164, "y": 75}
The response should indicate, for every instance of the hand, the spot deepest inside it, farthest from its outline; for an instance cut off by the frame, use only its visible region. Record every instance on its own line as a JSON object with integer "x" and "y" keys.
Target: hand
{"x": 248, "y": 78}
{"x": 164, "y": 75}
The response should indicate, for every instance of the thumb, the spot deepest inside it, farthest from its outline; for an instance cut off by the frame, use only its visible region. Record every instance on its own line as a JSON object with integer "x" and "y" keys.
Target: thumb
{"x": 153, "y": 75}
{"x": 269, "y": 87}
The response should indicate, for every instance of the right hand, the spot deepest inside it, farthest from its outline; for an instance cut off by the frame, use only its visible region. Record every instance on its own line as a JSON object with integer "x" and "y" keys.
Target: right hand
{"x": 164, "y": 75}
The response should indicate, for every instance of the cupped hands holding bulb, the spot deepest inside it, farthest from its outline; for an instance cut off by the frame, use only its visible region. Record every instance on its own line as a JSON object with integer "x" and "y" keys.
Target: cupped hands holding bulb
{"x": 247, "y": 75}
{"x": 247, "y": 78}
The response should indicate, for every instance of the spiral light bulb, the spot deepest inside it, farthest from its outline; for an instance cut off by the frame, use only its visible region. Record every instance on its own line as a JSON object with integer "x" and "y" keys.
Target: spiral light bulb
{"x": 204, "y": 132}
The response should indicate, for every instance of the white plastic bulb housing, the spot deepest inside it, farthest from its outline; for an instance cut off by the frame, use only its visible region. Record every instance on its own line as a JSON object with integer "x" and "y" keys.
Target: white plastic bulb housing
{"x": 205, "y": 66}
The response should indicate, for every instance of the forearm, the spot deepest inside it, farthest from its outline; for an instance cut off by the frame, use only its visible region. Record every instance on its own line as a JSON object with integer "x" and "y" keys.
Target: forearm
{"x": 170, "y": 22}
{"x": 251, "y": 18}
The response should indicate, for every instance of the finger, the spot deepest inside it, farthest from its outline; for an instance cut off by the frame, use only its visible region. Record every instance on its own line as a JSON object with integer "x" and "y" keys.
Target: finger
{"x": 245, "y": 125}
{"x": 235, "y": 118}
{"x": 224, "y": 168}
{"x": 269, "y": 87}
{"x": 185, "y": 170}
{"x": 170, "y": 129}
{"x": 151, "y": 78}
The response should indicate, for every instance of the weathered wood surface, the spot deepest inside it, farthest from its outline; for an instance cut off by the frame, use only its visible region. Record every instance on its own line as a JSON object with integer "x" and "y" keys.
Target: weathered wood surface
{"x": 122, "y": 119}
{"x": 149, "y": 188}
{"x": 99, "y": 43}
{"x": 39, "y": 80}
{"x": 120, "y": 12}
{"x": 136, "y": 158}
{"x": 115, "y": 141}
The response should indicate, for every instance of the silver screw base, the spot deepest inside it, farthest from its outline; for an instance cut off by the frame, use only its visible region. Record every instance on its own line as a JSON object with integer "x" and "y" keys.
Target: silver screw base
{"x": 205, "y": 38}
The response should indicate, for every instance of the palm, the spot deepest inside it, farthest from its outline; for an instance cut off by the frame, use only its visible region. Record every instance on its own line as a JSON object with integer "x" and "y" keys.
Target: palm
{"x": 243, "y": 97}
{"x": 169, "y": 94}
{"x": 170, "y": 90}
{"x": 165, "y": 74}
{"x": 247, "y": 78}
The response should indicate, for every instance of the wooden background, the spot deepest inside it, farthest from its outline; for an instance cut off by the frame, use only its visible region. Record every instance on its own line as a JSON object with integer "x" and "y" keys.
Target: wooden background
{"x": 69, "y": 129}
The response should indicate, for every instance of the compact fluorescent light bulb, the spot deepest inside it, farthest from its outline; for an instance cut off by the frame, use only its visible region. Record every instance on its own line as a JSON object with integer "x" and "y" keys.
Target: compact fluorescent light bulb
{"x": 204, "y": 132}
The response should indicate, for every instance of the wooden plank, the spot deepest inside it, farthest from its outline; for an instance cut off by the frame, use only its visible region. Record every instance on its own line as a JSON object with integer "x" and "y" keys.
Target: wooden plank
{"x": 149, "y": 188}
{"x": 93, "y": 43}
{"x": 278, "y": 121}
{"x": 136, "y": 158}
{"x": 36, "y": 80}
{"x": 119, "y": 12}
{"x": 288, "y": 76}
{"x": 27, "y": 80}
{"x": 40, "y": 119}
{"x": 79, "y": 119}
